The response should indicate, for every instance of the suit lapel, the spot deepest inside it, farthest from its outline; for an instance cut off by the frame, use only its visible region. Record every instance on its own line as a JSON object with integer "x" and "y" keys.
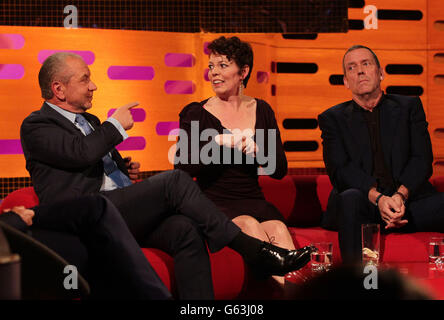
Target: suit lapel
{"x": 61, "y": 120}
{"x": 389, "y": 120}
{"x": 360, "y": 136}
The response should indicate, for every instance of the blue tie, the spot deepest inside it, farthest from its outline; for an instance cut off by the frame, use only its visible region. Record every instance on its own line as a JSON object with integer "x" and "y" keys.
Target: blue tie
{"x": 109, "y": 166}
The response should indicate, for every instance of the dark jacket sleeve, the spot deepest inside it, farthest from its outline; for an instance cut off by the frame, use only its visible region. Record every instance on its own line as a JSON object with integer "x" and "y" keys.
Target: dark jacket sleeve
{"x": 343, "y": 172}
{"x": 419, "y": 167}
{"x": 188, "y": 150}
{"x": 280, "y": 159}
{"x": 45, "y": 141}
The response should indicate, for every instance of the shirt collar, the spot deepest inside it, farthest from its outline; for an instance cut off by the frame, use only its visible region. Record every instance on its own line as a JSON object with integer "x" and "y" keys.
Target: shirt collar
{"x": 67, "y": 114}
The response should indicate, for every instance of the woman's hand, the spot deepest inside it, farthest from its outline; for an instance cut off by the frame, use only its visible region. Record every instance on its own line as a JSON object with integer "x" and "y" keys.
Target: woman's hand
{"x": 241, "y": 142}
{"x": 248, "y": 146}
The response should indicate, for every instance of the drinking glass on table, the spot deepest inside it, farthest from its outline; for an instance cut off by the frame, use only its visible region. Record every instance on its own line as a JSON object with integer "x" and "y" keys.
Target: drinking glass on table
{"x": 436, "y": 252}
{"x": 321, "y": 260}
{"x": 370, "y": 243}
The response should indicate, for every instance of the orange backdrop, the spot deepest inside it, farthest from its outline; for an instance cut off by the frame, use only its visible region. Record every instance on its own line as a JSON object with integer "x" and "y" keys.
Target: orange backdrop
{"x": 173, "y": 65}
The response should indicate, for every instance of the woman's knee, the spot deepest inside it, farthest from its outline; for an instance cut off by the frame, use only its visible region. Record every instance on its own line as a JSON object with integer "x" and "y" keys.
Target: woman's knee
{"x": 247, "y": 223}
{"x": 277, "y": 229}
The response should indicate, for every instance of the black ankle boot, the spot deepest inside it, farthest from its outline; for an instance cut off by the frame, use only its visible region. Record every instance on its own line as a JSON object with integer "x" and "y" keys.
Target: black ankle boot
{"x": 277, "y": 261}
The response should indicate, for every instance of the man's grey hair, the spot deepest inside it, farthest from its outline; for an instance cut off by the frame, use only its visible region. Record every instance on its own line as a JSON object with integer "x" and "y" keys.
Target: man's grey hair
{"x": 52, "y": 70}
{"x": 358, "y": 46}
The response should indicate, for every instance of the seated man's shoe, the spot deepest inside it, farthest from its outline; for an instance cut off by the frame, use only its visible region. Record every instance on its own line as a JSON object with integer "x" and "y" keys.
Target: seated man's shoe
{"x": 277, "y": 261}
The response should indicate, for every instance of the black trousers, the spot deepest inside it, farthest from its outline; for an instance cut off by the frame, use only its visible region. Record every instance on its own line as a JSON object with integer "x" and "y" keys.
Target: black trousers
{"x": 168, "y": 211}
{"x": 92, "y": 226}
{"x": 353, "y": 209}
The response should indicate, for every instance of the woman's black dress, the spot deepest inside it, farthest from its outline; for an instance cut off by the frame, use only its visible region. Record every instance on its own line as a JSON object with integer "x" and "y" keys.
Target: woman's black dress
{"x": 233, "y": 187}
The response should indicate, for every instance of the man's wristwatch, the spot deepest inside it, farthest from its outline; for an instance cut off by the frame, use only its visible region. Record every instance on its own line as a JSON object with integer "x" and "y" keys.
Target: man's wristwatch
{"x": 402, "y": 196}
{"x": 377, "y": 199}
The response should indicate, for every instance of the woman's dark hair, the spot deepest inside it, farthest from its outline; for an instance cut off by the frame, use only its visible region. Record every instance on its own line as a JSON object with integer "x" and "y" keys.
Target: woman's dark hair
{"x": 236, "y": 50}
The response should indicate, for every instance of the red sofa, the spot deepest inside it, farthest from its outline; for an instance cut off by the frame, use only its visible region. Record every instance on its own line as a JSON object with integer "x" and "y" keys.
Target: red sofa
{"x": 301, "y": 199}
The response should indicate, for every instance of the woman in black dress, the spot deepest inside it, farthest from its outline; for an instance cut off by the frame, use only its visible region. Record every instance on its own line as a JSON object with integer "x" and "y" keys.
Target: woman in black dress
{"x": 238, "y": 119}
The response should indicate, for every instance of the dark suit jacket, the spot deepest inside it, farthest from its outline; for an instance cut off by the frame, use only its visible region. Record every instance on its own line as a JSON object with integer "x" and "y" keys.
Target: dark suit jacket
{"x": 62, "y": 162}
{"x": 405, "y": 142}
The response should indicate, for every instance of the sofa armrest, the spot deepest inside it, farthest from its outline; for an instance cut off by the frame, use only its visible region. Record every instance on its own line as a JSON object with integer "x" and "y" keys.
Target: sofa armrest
{"x": 438, "y": 183}
{"x": 22, "y": 197}
{"x": 280, "y": 193}
{"x": 296, "y": 197}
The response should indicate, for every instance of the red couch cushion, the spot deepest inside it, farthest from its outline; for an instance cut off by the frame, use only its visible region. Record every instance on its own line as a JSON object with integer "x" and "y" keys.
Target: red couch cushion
{"x": 295, "y": 197}
{"x": 163, "y": 264}
{"x": 227, "y": 268}
{"x": 406, "y": 247}
{"x": 307, "y": 210}
{"x": 21, "y": 197}
{"x": 323, "y": 190}
{"x": 438, "y": 183}
{"x": 228, "y": 272}
{"x": 281, "y": 193}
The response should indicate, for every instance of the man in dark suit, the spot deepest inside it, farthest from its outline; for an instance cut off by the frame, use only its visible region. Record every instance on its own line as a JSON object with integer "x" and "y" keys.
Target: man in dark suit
{"x": 69, "y": 153}
{"x": 378, "y": 155}
{"x": 90, "y": 233}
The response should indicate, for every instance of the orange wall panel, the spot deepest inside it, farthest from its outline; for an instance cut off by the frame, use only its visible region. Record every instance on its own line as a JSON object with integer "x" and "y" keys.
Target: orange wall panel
{"x": 296, "y": 95}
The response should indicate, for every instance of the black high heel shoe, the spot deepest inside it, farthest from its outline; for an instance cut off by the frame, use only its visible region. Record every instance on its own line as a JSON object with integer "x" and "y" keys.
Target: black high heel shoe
{"x": 277, "y": 261}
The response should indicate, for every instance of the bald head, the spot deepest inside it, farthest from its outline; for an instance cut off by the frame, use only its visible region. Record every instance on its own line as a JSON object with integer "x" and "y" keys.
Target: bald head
{"x": 54, "y": 68}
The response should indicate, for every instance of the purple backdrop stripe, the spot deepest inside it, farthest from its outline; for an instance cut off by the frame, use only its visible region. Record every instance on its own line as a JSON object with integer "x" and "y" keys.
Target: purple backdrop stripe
{"x": 138, "y": 114}
{"x": 206, "y": 71}
{"x": 11, "y": 41}
{"x": 179, "y": 87}
{"x": 132, "y": 143}
{"x": 11, "y": 71}
{"x": 179, "y": 60}
{"x": 88, "y": 56}
{"x": 164, "y": 128}
{"x": 206, "y": 51}
{"x": 11, "y": 147}
{"x": 130, "y": 73}
{"x": 262, "y": 76}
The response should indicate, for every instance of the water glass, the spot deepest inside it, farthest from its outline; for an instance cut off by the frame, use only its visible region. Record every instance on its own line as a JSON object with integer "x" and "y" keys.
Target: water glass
{"x": 321, "y": 260}
{"x": 436, "y": 252}
{"x": 370, "y": 243}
